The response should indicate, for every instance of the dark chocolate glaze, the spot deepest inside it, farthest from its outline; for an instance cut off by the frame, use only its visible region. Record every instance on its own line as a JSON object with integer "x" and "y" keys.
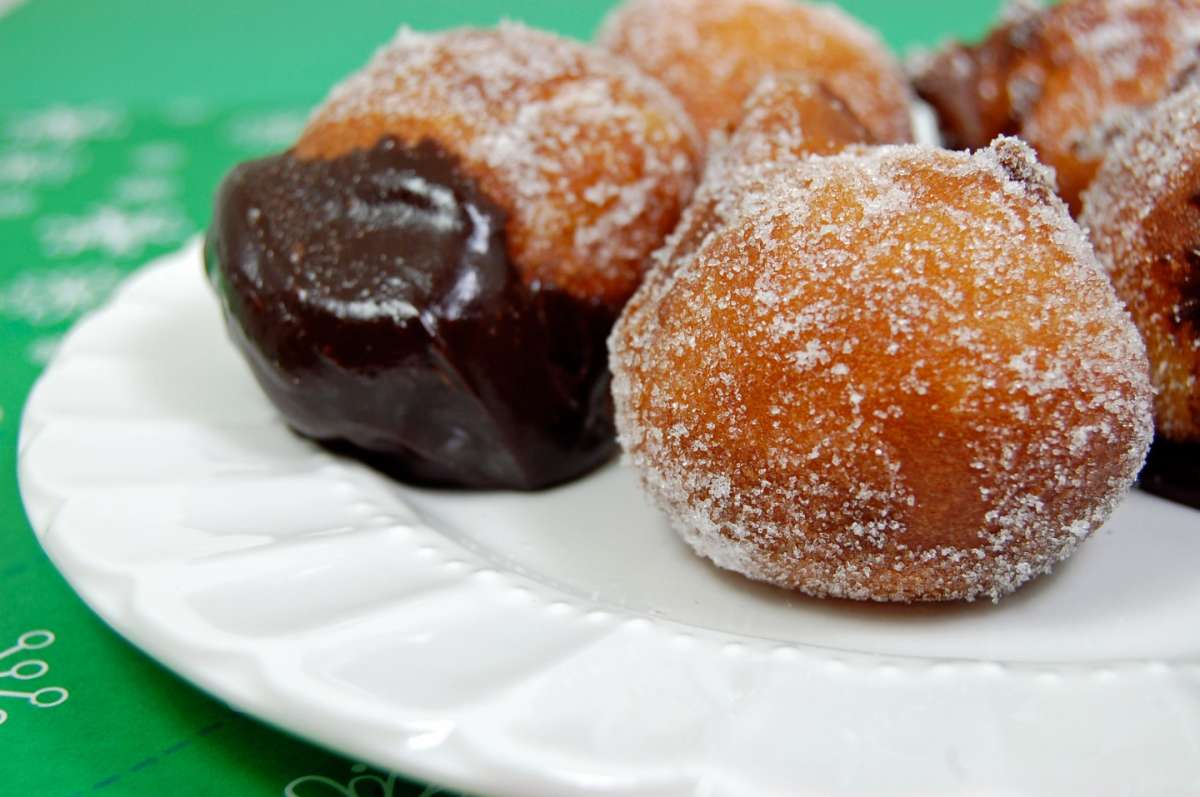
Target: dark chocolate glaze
{"x": 1172, "y": 470}
{"x": 374, "y": 298}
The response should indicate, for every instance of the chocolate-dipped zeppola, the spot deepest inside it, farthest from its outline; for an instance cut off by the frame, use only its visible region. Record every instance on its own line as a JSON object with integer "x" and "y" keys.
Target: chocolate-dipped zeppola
{"x": 712, "y": 53}
{"x": 1143, "y": 212}
{"x": 876, "y": 376}
{"x": 1068, "y": 78}
{"x": 428, "y": 277}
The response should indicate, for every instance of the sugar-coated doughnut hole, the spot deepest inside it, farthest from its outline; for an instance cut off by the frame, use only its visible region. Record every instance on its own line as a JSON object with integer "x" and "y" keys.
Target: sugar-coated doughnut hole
{"x": 789, "y": 116}
{"x": 876, "y": 376}
{"x": 792, "y": 114}
{"x": 972, "y": 88}
{"x": 1068, "y": 78}
{"x": 1104, "y": 61}
{"x": 712, "y": 53}
{"x": 591, "y": 159}
{"x": 1143, "y": 212}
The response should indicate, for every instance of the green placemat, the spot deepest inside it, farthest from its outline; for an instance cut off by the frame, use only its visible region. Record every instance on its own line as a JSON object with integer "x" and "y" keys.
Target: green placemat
{"x": 87, "y": 194}
{"x": 117, "y": 119}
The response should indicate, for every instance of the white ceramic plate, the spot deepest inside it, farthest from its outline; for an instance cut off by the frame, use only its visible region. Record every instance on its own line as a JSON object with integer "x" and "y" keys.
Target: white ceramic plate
{"x": 567, "y": 643}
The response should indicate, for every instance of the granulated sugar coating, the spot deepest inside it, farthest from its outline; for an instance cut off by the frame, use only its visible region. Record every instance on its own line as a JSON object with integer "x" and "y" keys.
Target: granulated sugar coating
{"x": 1068, "y": 79}
{"x": 895, "y": 374}
{"x": 1104, "y": 61}
{"x": 790, "y": 113}
{"x": 1143, "y": 211}
{"x": 712, "y": 53}
{"x": 591, "y": 159}
{"x": 787, "y": 117}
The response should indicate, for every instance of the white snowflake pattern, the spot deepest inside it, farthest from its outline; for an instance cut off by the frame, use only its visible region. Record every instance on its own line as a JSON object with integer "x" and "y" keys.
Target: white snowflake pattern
{"x": 137, "y": 189}
{"x": 267, "y": 130}
{"x": 22, "y": 672}
{"x": 15, "y": 204}
{"x": 42, "y": 350}
{"x": 9, "y": 5}
{"x": 187, "y": 111}
{"x": 384, "y": 785}
{"x": 31, "y": 166}
{"x": 117, "y": 232}
{"x": 159, "y": 156}
{"x": 68, "y": 124}
{"x": 55, "y": 296}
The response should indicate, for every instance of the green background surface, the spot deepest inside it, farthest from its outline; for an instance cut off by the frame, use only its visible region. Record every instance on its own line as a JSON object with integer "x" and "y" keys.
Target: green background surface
{"x": 160, "y": 98}
{"x": 143, "y": 51}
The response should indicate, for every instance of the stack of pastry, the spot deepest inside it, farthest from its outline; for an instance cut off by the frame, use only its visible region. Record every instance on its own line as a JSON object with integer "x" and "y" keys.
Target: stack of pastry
{"x": 841, "y": 362}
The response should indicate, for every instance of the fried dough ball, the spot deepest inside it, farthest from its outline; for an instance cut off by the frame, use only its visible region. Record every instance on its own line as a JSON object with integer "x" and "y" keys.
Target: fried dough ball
{"x": 876, "y": 377}
{"x": 1107, "y": 60}
{"x": 428, "y": 278}
{"x": 1068, "y": 79}
{"x": 968, "y": 86}
{"x": 788, "y": 117}
{"x": 791, "y": 114}
{"x": 712, "y": 53}
{"x": 591, "y": 159}
{"x": 1143, "y": 212}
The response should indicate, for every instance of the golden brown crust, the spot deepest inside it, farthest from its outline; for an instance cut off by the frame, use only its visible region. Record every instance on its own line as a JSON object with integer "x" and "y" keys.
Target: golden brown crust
{"x": 788, "y": 117}
{"x": 876, "y": 377}
{"x": 967, "y": 85}
{"x": 1068, "y": 79}
{"x": 591, "y": 159}
{"x": 712, "y": 53}
{"x": 791, "y": 113}
{"x": 1105, "y": 62}
{"x": 1143, "y": 211}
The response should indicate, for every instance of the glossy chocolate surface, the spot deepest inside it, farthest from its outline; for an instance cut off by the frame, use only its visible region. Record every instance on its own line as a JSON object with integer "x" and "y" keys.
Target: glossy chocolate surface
{"x": 373, "y": 296}
{"x": 1172, "y": 471}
